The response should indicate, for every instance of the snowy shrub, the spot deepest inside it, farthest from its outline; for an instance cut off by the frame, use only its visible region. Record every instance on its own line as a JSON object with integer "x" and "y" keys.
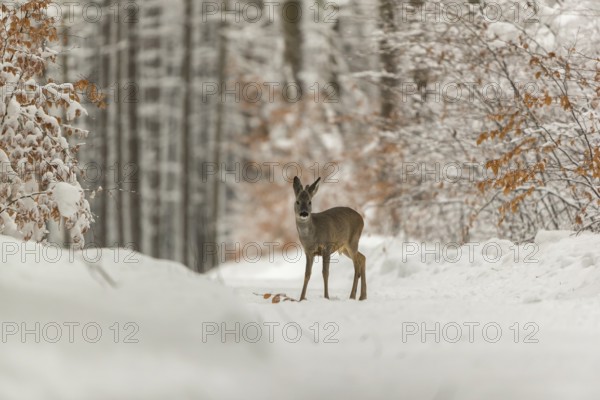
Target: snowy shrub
{"x": 510, "y": 103}
{"x": 38, "y": 175}
{"x": 545, "y": 168}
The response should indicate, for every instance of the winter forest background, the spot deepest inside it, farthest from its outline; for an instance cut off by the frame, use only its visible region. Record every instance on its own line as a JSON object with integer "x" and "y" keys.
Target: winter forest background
{"x": 439, "y": 121}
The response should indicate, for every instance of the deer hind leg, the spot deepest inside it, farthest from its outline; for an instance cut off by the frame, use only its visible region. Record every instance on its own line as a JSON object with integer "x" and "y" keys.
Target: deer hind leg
{"x": 363, "y": 278}
{"x": 326, "y": 273}
{"x": 352, "y": 255}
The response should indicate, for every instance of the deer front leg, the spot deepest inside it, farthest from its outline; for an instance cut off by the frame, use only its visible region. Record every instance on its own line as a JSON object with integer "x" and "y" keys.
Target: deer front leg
{"x": 309, "y": 263}
{"x": 326, "y": 273}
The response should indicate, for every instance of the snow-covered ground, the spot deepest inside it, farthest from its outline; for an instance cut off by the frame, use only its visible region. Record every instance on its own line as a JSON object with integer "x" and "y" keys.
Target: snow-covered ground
{"x": 485, "y": 321}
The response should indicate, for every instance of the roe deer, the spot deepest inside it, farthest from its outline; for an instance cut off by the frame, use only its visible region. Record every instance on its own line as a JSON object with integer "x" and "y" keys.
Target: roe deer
{"x": 324, "y": 233}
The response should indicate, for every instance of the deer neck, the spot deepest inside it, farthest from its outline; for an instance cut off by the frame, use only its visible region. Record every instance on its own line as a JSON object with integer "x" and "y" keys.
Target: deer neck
{"x": 305, "y": 226}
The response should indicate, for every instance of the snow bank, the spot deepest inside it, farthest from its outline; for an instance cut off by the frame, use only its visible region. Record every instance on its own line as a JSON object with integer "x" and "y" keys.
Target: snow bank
{"x": 69, "y": 332}
{"x": 558, "y": 264}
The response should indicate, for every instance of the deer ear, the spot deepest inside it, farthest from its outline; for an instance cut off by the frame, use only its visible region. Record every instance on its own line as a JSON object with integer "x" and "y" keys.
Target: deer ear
{"x": 314, "y": 188}
{"x": 297, "y": 186}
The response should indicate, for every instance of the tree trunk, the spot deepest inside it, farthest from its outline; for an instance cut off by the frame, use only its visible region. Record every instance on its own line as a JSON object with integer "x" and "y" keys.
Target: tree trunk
{"x": 388, "y": 59}
{"x": 186, "y": 143}
{"x": 119, "y": 132}
{"x": 104, "y": 131}
{"x": 133, "y": 168}
{"x": 217, "y": 187}
{"x": 292, "y": 35}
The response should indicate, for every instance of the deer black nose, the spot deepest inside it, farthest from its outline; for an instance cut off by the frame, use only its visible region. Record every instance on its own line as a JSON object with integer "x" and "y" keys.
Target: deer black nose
{"x": 304, "y": 214}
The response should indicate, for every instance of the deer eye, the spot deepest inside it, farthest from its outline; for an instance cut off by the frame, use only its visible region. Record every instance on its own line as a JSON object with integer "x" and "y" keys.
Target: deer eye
{"x": 310, "y": 203}
{"x": 298, "y": 202}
